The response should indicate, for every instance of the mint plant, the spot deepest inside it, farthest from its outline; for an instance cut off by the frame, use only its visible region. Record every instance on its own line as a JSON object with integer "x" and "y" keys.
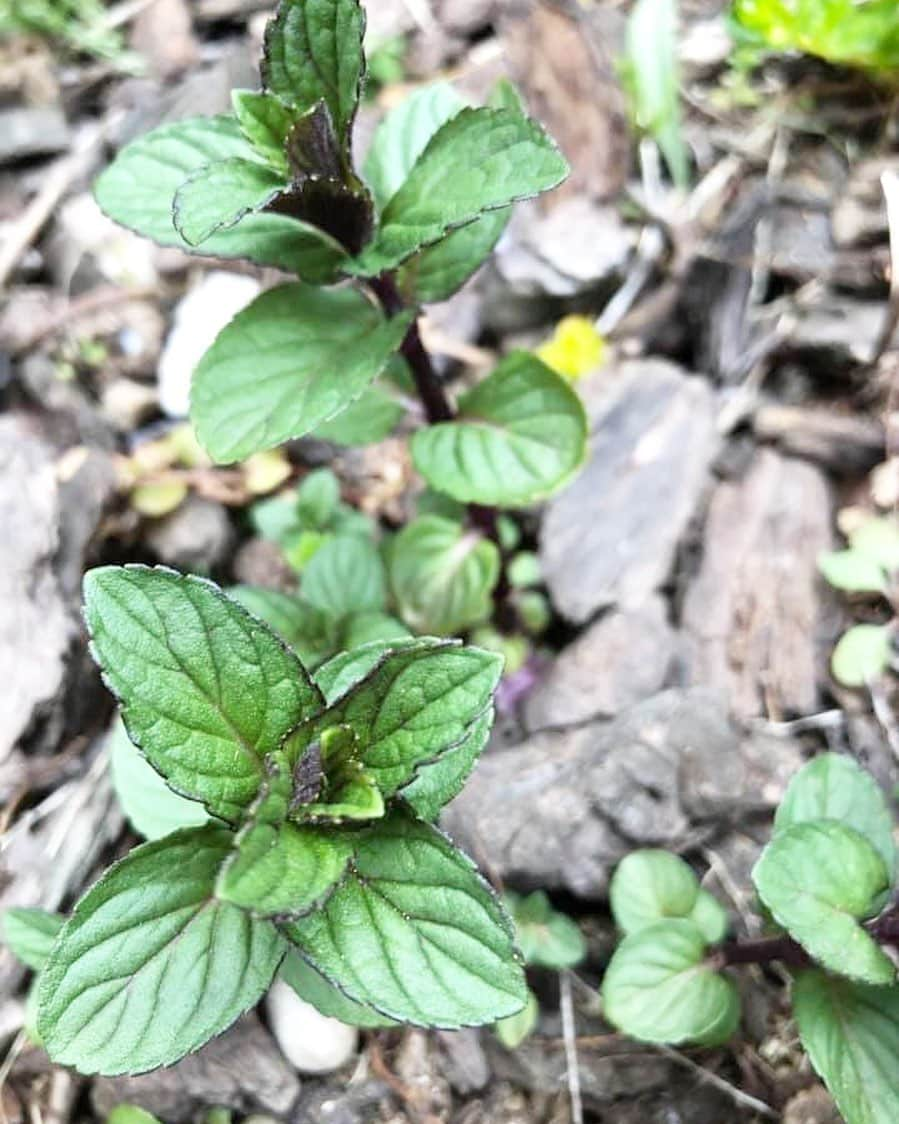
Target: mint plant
{"x": 309, "y": 844}
{"x": 826, "y": 881}
{"x": 338, "y": 353}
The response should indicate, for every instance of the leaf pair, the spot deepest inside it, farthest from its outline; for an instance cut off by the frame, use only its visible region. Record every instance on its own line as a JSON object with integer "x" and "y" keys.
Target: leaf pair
{"x": 661, "y": 985}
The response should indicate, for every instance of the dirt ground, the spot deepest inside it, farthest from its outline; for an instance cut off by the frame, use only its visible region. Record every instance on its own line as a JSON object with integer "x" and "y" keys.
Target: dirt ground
{"x": 746, "y": 411}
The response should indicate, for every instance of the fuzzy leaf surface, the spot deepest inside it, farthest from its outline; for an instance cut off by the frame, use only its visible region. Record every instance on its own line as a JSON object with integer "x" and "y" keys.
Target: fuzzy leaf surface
{"x": 329, "y": 1000}
{"x": 265, "y": 121}
{"x": 818, "y": 879}
{"x": 206, "y": 690}
{"x": 313, "y": 52}
{"x": 138, "y": 188}
{"x": 480, "y": 161}
{"x": 150, "y": 965}
{"x": 833, "y": 787}
{"x": 29, "y": 934}
{"x": 310, "y": 632}
{"x": 415, "y": 933}
{"x": 442, "y": 780}
{"x": 850, "y": 1032}
{"x": 416, "y": 704}
{"x": 438, "y": 271}
{"x": 658, "y": 988}
{"x": 218, "y": 196}
{"x": 369, "y": 419}
{"x": 289, "y": 361}
{"x": 519, "y": 435}
{"x": 441, "y": 575}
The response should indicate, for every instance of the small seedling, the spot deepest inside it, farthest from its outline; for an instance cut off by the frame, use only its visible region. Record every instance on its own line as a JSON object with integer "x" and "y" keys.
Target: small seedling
{"x": 868, "y": 567}
{"x": 276, "y": 182}
{"x": 310, "y": 801}
{"x": 826, "y": 880}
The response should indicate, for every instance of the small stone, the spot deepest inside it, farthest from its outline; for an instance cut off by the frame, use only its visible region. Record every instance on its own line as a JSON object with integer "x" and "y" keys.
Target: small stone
{"x": 128, "y": 404}
{"x": 261, "y": 562}
{"x": 198, "y": 536}
{"x": 622, "y": 658}
{"x": 462, "y": 1060}
{"x": 610, "y": 538}
{"x": 199, "y": 318}
{"x": 357, "y": 1104}
{"x": 89, "y": 247}
{"x": 466, "y": 16}
{"x": 812, "y": 1106}
{"x": 29, "y": 131}
{"x": 311, "y": 1042}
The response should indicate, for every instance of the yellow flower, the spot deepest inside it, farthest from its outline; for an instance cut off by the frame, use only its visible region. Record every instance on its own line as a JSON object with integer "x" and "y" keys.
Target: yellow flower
{"x": 575, "y": 348}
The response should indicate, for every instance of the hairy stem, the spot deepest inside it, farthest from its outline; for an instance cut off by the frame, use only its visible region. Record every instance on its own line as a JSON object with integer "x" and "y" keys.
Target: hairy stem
{"x": 438, "y": 409}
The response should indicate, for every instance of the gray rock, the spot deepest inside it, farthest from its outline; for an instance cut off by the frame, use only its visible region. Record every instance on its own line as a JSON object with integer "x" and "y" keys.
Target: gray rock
{"x": 610, "y": 538}
{"x": 859, "y": 215}
{"x": 30, "y": 131}
{"x": 357, "y": 1104}
{"x": 462, "y": 1059}
{"x": 196, "y": 536}
{"x": 465, "y": 16}
{"x": 846, "y": 444}
{"x": 242, "y": 1070}
{"x": 562, "y": 809}
{"x": 753, "y": 618}
{"x": 622, "y": 658}
{"x": 839, "y": 332}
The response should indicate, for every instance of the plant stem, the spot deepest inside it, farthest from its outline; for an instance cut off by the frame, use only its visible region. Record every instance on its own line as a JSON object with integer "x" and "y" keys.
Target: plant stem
{"x": 438, "y": 409}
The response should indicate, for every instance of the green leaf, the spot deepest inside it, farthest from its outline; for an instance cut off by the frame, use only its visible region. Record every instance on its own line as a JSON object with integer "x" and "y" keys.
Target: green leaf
{"x": 403, "y": 136}
{"x": 344, "y": 790}
{"x": 278, "y": 869}
{"x": 366, "y": 628}
{"x": 440, "y": 270}
{"x": 518, "y": 437}
{"x": 546, "y": 938}
{"x": 863, "y": 653}
{"x": 654, "y": 82}
{"x": 218, "y": 196}
{"x": 709, "y": 917}
{"x": 265, "y": 121}
{"x": 416, "y": 704}
{"x": 415, "y": 932}
{"x": 524, "y": 570}
{"x": 131, "y": 1114}
{"x": 207, "y": 691}
{"x": 658, "y": 987}
{"x": 313, "y": 52}
{"x": 325, "y": 997}
{"x": 851, "y": 1034}
{"x": 818, "y": 879}
{"x": 318, "y": 498}
{"x": 853, "y": 571}
{"x": 514, "y": 1029}
{"x": 29, "y": 934}
{"x": 150, "y": 806}
{"x": 336, "y": 677}
{"x": 289, "y": 361}
{"x": 650, "y": 885}
{"x": 878, "y": 540}
{"x": 311, "y": 633}
{"x": 150, "y": 965}
{"x": 481, "y": 160}
{"x": 442, "y": 575}
{"x": 138, "y": 188}
{"x": 345, "y": 576}
{"x": 438, "y": 783}
{"x": 833, "y": 787}
{"x": 367, "y": 420}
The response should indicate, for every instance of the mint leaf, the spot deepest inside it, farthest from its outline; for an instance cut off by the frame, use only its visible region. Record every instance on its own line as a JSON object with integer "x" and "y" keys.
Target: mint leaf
{"x": 709, "y": 917}
{"x": 851, "y": 1034}
{"x": 370, "y": 418}
{"x": 150, "y": 806}
{"x": 265, "y": 121}
{"x": 442, "y": 575}
{"x": 878, "y": 539}
{"x": 318, "y": 499}
{"x": 863, "y": 653}
{"x": 29, "y": 934}
{"x": 442, "y": 780}
{"x": 367, "y": 628}
{"x": 206, "y": 691}
{"x": 438, "y": 271}
{"x": 818, "y": 879}
{"x": 852, "y": 571}
{"x": 403, "y": 136}
{"x": 325, "y": 997}
{"x": 546, "y": 938}
{"x": 219, "y": 195}
{"x": 345, "y": 576}
{"x": 150, "y": 965}
{"x": 481, "y": 160}
{"x": 138, "y": 188}
{"x": 414, "y": 932}
{"x": 416, "y": 704}
{"x": 313, "y": 52}
{"x": 519, "y": 435}
{"x": 278, "y": 869}
{"x": 311, "y": 633}
{"x": 321, "y": 349}
{"x": 658, "y": 987}
{"x": 515, "y": 1029}
{"x": 336, "y": 677}
{"x": 650, "y": 885}
{"x": 833, "y": 787}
